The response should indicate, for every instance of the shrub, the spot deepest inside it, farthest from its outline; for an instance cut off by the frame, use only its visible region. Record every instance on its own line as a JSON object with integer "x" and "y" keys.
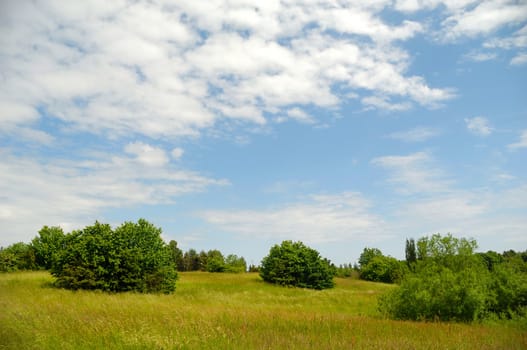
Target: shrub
{"x": 383, "y": 269}
{"x": 131, "y": 258}
{"x": 294, "y": 264}
{"x": 450, "y": 282}
{"x": 438, "y": 293}
{"x": 17, "y": 256}
{"x": 235, "y": 264}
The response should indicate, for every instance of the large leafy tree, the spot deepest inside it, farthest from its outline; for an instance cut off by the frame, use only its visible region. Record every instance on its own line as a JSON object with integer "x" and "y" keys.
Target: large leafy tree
{"x": 47, "y": 244}
{"x": 131, "y": 258}
{"x": 294, "y": 264}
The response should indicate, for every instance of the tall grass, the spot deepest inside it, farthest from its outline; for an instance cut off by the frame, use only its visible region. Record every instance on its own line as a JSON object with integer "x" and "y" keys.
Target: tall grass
{"x": 223, "y": 311}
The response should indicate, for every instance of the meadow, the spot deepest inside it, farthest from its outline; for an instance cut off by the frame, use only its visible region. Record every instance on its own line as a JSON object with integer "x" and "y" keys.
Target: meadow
{"x": 225, "y": 311}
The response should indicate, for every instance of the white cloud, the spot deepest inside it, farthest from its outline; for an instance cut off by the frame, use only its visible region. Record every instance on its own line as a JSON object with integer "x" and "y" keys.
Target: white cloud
{"x": 173, "y": 70}
{"x": 478, "y": 126}
{"x": 300, "y": 116}
{"x": 519, "y": 59}
{"x": 522, "y": 143}
{"x": 485, "y": 17}
{"x": 321, "y": 218}
{"x": 382, "y": 103}
{"x": 147, "y": 154}
{"x": 36, "y": 193}
{"x": 414, "y": 174}
{"x": 418, "y": 134}
{"x": 177, "y": 153}
{"x": 478, "y": 56}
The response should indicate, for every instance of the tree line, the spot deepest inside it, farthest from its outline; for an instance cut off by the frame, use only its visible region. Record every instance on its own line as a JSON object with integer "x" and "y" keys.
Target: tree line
{"x": 442, "y": 277}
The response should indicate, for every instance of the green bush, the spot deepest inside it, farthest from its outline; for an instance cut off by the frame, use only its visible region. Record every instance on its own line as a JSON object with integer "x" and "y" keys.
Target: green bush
{"x": 438, "y": 293}
{"x": 383, "y": 269}
{"x": 450, "y": 282}
{"x": 294, "y": 264}
{"x": 17, "y": 256}
{"x": 131, "y": 258}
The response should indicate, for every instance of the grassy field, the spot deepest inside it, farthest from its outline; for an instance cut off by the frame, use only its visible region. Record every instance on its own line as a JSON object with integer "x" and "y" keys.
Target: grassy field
{"x": 224, "y": 311}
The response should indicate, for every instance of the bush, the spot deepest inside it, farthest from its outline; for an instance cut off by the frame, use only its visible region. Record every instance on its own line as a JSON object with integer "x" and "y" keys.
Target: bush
{"x": 383, "y": 269}
{"x": 438, "y": 293}
{"x": 294, "y": 264}
{"x": 450, "y": 282}
{"x": 17, "y": 256}
{"x": 131, "y": 258}
{"x": 235, "y": 264}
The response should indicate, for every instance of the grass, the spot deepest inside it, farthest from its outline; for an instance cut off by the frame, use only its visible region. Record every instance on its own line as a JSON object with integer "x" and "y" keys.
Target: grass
{"x": 224, "y": 311}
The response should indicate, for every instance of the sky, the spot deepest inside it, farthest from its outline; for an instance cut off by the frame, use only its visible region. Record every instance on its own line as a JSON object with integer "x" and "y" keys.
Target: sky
{"x": 235, "y": 125}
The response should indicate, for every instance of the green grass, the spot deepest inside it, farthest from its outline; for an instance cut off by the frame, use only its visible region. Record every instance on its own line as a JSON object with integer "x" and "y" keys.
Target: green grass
{"x": 224, "y": 311}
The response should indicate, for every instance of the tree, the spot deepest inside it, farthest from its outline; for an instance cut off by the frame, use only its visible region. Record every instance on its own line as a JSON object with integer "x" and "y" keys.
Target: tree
{"x": 235, "y": 264}
{"x": 411, "y": 254}
{"x": 367, "y": 255}
{"x": 294, "y": 264}
{"x": 383, "y": 269}
{"x": 451, "y": 282}
{"x": 215, "y": 261}
{"x": 17, "y": 256}
{"x": 47, "y": 244}
{"x": 191, "y": 261}
{"x": 131, "y": 258}
{"x": 176, "y": 255}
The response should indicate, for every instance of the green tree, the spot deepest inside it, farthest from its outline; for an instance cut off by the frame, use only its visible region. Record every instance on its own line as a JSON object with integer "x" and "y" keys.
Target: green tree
{"x": 17, "y": 256}
{"x": 367, "y": 255}
{"x": 47, "y": 244}
{"x": 215, "y": 261}
{"x": 131, "y": 258}
{"x": 451, "y": 282}
{"x": 191, "y": 261}
{"x": 294, "y": 264}
{"x": 202, "y": 261}
{"x": 235, "y": 264}
{"x": 176, "y": 255}
{"x": 410, "y": 253}
{"x": 383, "y": 269}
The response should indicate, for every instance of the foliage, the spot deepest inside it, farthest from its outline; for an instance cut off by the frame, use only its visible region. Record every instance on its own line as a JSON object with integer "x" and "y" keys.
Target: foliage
{"x": 294, "y": 264}
{"x": 131, "y": 258}
{"x": 383, "y": 269}
{"x": 451, "y": 282}
{"x": 442, "y": 248}
{"x": 345, "y": 270}
{"x": 176, "y": 255}
{"x": 235, "y": 264}
{"x": 437, "y": 293}
{"x": 410, "y": 253}
{"x": 46, "y": 245}
{"x": 18, "y": 256}
{"x": 191, "y": 261}
{"x": 215, "y": 261}
{"x": 367, "y": 255}
{"x": 254, "y": 268}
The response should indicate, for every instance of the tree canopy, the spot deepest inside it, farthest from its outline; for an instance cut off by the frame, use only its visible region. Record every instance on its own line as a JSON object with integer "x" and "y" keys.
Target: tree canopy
{"x": 133, "y": 257}
{"x": 294, "y": 264}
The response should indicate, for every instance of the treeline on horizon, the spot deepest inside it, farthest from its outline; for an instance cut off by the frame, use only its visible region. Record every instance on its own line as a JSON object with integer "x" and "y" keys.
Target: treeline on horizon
{"x": 442, "y": 277}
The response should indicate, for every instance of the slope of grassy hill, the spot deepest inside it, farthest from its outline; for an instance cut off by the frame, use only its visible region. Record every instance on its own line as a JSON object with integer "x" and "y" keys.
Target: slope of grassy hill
{"x": 224, "y": 311}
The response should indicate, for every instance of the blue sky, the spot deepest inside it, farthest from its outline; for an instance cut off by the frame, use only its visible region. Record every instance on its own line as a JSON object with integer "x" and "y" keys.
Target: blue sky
{"x": 234, "y": 125}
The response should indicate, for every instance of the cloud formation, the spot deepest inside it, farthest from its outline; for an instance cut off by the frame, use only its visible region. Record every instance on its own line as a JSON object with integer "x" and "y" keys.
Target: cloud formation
{"x": 479, "y": 126}
{"x": 417, "y": 134}
{"x": 319, "y": 219}
{"x": 173, "y": 69}
{"x": 36, "y": 193}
